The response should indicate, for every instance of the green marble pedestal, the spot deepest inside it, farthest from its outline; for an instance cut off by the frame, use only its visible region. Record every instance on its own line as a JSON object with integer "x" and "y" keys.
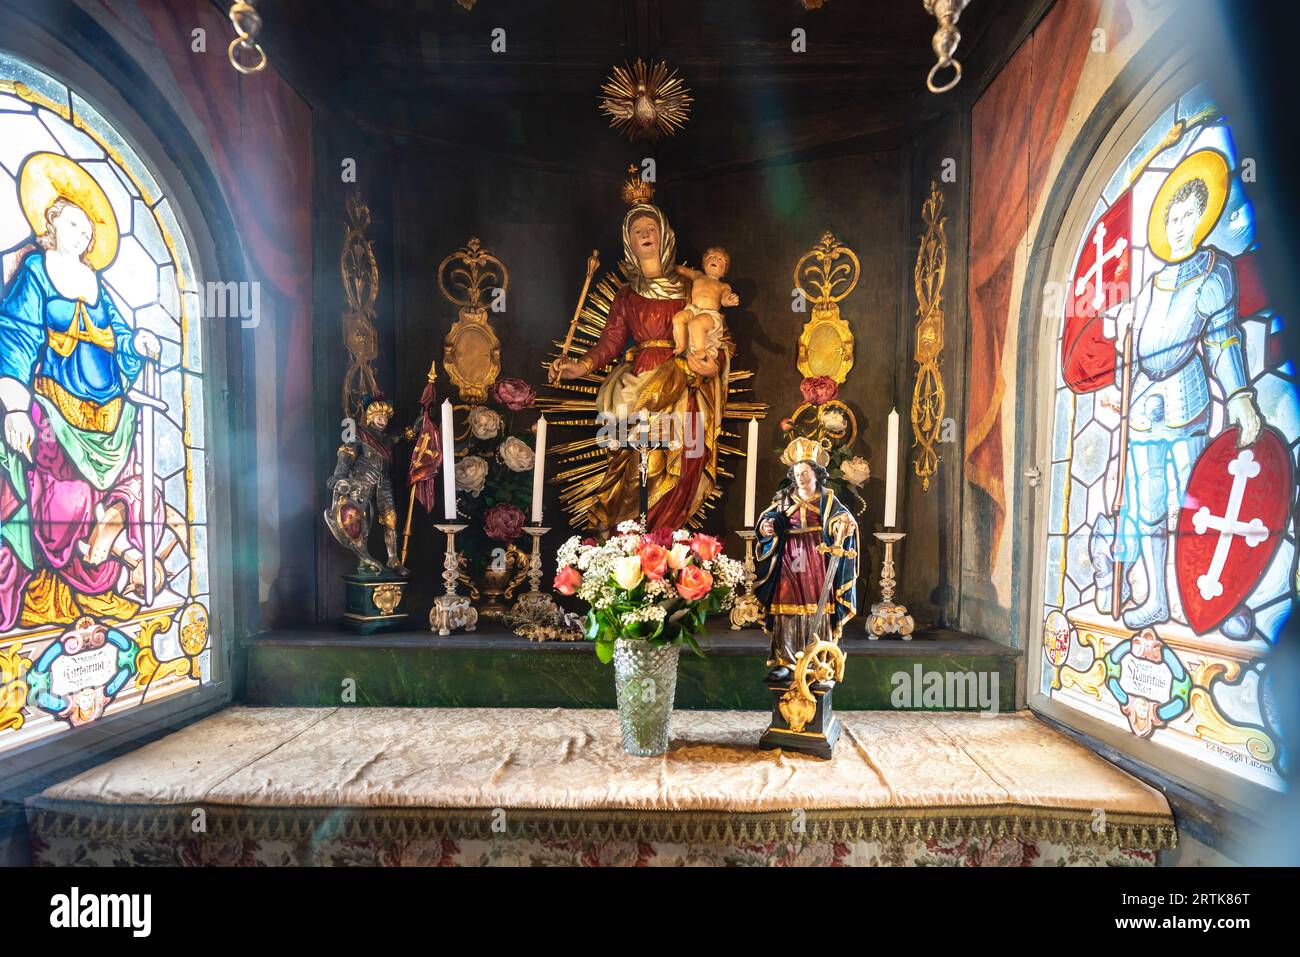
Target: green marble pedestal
{"x": 494, "y": 668}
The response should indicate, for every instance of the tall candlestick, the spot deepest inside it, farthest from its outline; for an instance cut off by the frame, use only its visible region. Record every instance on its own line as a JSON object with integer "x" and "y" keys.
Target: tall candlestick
{"x": 448, "y": 462}
{"x": 891, "y": 475}
{"x": 539, "y": 470}
{"x": 751, "y": 472}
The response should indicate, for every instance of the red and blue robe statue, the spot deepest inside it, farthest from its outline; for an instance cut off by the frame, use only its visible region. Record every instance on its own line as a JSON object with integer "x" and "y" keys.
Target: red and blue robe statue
{"x": 76, "y": 359}
{"x": 792, "y": 567}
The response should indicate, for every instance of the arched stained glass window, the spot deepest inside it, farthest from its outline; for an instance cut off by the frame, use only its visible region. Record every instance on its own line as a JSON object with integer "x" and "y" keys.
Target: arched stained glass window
{"x": 104, "y": 590}
{"x": 1171, "y": 540}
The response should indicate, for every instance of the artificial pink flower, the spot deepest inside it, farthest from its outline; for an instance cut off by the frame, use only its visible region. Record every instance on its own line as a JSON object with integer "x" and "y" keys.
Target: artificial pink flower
{"x": 818, "y": 389}
{"x": 503, "y": 522}
{"x": 514, "y": 394}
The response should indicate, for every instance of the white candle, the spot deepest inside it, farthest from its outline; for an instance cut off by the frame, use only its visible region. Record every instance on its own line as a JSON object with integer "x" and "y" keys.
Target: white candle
{"x": 539, "y": 469}
{"x": 448, "y": 462}
{"x": 891, "y": 475}
{"x": 751, "y": 472}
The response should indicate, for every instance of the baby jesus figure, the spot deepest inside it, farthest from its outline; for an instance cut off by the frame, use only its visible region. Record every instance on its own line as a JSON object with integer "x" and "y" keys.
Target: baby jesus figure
{"x": 699, "y": 326}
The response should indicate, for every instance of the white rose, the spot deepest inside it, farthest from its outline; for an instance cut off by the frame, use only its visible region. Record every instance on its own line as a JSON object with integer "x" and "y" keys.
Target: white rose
{"x": 678, "y": 556}
{"x": 484, "y": 423}
{"x": 833, "y": 420}
{"x": 855, "y": 470}
{"x": 627, "y": 572}
{"x": 471, "y": 471}
{"x": 516, "y": 454}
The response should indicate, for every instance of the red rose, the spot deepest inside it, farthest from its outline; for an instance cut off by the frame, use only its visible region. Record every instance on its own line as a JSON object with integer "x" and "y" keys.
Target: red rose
{"x": 654, "y": 559}
{"x": 819, "y": 389}
{"x": 514, "y": 394}
{"x": 504, "y": 522}
{"x": 567, "y": 580}
{"x": 694, "y": 583}
{"x": 590, "y": 541}
{"x": 706, "y": 547}
{"x": 660, "y": 536}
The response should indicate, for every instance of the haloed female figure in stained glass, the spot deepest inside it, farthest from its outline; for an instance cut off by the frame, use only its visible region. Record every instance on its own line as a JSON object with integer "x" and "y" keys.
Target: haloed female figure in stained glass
{"x": 72, "y": 494}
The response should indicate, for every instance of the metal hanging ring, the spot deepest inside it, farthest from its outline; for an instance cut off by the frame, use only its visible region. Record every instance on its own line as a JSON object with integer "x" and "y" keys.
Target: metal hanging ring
{"x": 238, "y": 64}
{"x": 956, "y": 77}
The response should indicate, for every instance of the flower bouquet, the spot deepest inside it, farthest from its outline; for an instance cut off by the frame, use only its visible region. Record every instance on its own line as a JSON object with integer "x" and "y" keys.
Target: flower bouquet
{"x": 648, "y": 594}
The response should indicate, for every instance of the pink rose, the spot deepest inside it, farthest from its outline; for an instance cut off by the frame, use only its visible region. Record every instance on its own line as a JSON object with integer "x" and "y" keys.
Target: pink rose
{"x": 706, "y": 547}
{"x": 504, "y": 522}
{"x": 567, "y": 580}
{"x": 514, "y": 394}
{"x": 818, "y": 389}
{"x": 654, "y": 559}
{"x": 694, "y": 583}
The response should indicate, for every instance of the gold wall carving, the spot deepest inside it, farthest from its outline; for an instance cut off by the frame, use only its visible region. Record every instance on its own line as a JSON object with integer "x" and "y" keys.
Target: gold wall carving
{"x": 360, "y": 274}
{"x": 825, "y": 275}
{"x": 928, "y": 397}
{"x": 472, "y": 352}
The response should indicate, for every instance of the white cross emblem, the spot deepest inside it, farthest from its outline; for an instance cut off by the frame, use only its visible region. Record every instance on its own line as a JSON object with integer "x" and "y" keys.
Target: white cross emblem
{"x": 1101, "y": 254}
{"x": 1242, "y": 469}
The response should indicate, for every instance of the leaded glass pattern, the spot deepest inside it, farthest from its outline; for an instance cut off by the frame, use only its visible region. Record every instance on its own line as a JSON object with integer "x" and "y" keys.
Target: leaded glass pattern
{"x": 104, "y": 586}
{"x": 1199, "y": 533}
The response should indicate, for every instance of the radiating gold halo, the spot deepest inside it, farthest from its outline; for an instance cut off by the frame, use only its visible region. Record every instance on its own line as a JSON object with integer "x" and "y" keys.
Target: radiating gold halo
{"x": 46, "y": 177}
{"x": 1209, "y": 166}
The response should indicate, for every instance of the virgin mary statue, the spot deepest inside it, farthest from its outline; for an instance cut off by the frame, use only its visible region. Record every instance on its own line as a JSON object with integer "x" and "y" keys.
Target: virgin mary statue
{"x": 681, "y": 398}
{"x": 70, "y": 496}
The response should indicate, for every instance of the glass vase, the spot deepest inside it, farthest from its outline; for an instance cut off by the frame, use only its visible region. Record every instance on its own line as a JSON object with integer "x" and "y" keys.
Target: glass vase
{"x": 645, "y": 681}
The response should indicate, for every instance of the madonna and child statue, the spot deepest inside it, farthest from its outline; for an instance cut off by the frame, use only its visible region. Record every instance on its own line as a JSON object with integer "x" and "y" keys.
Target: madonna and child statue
{"x": 671, "y": 383}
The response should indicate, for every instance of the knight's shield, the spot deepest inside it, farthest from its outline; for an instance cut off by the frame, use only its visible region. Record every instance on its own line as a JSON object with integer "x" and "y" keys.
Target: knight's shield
{"x": 1230, "y": 525}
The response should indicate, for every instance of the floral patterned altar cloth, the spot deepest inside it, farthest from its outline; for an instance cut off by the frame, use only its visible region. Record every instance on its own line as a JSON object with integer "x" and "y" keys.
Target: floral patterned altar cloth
{"x": 394, "y": 786}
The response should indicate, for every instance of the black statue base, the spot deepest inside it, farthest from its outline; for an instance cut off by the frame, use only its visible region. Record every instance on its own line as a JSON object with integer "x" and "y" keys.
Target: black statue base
{"x": 374, "y": 604}
{"x": 817, "y": 737}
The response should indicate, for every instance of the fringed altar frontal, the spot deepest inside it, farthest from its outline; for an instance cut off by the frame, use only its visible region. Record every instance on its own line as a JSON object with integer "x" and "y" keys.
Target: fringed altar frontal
{"x": 517, "y": 786}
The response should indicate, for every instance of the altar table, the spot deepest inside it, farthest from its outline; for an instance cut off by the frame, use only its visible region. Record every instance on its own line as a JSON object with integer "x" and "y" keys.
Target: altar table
{"x": 414, "y": 786}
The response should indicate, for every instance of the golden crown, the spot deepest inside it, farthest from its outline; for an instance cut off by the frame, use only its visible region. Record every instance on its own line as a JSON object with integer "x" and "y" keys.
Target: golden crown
{"x": 805, "y": 450}
{"x": 636, "y": 189}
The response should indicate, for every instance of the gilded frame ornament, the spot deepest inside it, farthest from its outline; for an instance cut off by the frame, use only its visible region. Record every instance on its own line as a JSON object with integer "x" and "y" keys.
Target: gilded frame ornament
{"x": 831, "y": 269}
{"x": 471, "y": 352}
{"x": 360, "y": 274}
{"x": 928, "y": 396}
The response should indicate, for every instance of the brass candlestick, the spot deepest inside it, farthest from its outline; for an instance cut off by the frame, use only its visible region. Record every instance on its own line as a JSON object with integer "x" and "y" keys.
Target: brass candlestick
{"x": 535, "y": 604}
{"x": 747, "y": 610}
{"x": 887, "y": 616}
{"x": 451, "y": 611}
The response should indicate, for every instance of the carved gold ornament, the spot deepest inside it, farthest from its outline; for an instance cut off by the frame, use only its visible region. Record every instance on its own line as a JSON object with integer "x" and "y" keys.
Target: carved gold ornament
{"x": 471, "y": 352}
{"x": 825, "y": 275}
{"x": 14, "y": 666}
{"x": 645, "y": 102}
{"x": 360, "y": 274}
{"x": 387, "y": 597}
{"x": 928, "y": 398}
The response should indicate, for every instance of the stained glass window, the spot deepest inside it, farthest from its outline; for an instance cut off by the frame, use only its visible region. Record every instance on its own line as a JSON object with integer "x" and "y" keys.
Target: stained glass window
{"x": 104, "y": 590}
{"x": 1171, "y": 545}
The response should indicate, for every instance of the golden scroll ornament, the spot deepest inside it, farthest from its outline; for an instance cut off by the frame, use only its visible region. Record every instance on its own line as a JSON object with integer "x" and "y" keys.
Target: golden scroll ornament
{"x": 928, "y": 398}
{"x": 824, "y": 276}
{"x": 471, "y": 352}
{"x": 360, "y": 274}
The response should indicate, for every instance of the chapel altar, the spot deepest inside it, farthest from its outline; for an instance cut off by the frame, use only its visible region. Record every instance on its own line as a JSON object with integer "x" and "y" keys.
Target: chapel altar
{"x": 646, "y": 433}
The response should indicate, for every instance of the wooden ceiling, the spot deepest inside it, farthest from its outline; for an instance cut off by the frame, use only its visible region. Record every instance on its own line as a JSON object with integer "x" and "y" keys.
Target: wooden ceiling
{"x": 421, "y": 74}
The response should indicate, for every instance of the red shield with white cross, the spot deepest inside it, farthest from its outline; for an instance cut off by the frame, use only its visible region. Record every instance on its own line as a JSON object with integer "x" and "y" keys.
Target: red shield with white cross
{"x": 1233, "y": 517}
{"x": 1101, "y": 281}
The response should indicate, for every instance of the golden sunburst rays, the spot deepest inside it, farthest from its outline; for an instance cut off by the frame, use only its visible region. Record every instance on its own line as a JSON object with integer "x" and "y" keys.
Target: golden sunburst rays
{"x": 581, "y": 462}
{"x": 645, "y": 102}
